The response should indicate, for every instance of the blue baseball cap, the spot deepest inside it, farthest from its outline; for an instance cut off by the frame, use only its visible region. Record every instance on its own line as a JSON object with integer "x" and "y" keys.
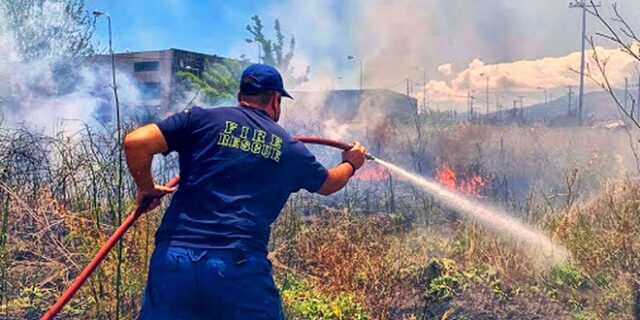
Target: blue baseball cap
{"x": 262, "y": 77}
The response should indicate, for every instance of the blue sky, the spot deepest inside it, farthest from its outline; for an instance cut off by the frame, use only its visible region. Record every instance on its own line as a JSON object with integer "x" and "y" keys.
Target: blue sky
{"x": 394, "y": 38}
{"x": 204, "y": 26}
{"x": 219, "y": 27}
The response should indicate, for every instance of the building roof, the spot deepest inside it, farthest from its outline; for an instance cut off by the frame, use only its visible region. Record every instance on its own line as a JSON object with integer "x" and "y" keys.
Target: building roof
{"x": 349, "y": 104}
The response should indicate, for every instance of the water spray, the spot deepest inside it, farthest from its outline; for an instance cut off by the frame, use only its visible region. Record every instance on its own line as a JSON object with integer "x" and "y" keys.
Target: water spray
{"x": 490, "y": 217}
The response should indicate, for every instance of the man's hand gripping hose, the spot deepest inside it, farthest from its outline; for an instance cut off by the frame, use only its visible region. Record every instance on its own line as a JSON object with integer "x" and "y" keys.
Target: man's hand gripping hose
{"x": 352, "y": 154}
{"x": 354, "y": 157}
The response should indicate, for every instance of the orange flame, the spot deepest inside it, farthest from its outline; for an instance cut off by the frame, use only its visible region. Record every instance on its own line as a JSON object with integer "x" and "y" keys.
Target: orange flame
{"x": 446, "y": 177}
{"x": 371, "y": 172}
{"x": 471, "y": 185}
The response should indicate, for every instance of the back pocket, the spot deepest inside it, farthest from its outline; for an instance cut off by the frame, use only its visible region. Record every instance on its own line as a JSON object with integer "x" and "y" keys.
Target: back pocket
{"x": 169, "y": 258}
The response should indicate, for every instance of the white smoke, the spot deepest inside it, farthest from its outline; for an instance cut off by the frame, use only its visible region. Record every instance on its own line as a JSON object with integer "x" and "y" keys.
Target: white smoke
{"x": 397, "y": 39}
{"x": 49, "y": 91}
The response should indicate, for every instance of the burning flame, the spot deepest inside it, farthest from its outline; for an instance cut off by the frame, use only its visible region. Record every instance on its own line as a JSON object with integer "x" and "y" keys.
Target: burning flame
{"x": 371, "y": 172}
{"x": 471, "y": 185}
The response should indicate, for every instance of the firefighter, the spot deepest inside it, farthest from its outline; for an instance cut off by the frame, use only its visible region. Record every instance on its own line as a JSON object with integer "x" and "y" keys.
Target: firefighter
{"x": 237, "y": 170}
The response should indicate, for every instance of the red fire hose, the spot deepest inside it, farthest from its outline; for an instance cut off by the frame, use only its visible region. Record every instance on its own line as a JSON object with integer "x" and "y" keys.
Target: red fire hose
{"x": 93, "y": 264}
{"x": 329, "y": 143}
{"x": 131, "y": 219}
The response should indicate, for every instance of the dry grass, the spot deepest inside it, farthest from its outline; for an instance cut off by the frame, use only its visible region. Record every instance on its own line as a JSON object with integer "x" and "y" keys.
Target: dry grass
{"x": 362, "y": 255}
{"x": 414, "y": 261}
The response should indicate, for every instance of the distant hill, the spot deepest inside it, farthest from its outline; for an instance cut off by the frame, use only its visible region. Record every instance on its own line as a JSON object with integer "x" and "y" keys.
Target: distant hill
{"x": 599, "y": 108}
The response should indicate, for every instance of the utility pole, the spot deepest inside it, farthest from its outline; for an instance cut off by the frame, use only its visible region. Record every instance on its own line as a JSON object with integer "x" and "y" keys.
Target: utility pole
{"x": 408, "y": 88}
{"x": 521, "y": 105}
{"x": 472, "y": 111}
{"x": 545, "y": 94}
{"x": 424, "y": 89}
{"x": 470, "y": 100}
{"x": 119, "y": 182}
{"x": 635, "y": 103}
{"x": 469, "y": 105}
{"x": 626, "y": 93}
{"x": 570, "y": 94}
{"x": 638, "y": 100}
{"x": 583, "y": 5}
{"x": 361, "y": 73}
{"x": 487, "y": 95}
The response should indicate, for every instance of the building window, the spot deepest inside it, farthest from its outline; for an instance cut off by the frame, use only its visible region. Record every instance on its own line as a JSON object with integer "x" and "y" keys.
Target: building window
{"x": 146, "y": 66}
{"x": 150, "y": 90}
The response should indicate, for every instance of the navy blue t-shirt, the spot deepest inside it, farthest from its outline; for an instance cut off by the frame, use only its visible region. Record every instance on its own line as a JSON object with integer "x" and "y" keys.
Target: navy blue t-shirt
{"x": 237, "y": 170}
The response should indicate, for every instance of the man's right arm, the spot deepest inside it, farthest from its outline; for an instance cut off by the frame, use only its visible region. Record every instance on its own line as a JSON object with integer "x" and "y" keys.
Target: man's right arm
{"x": 339, "y": 175}
{"x": 140, "y": 146}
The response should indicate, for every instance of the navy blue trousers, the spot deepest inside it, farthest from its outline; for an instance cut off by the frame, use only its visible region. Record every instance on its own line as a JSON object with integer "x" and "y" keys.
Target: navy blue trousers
{"x": 200, "y": 284}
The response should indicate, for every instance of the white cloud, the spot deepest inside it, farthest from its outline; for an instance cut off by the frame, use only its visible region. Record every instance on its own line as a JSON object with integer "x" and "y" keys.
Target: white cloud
{"x": 435, "y": 35}
{"x": 445, "y": 69}
{"x": 527, "y": 77}
{"x": 476, "y": 64}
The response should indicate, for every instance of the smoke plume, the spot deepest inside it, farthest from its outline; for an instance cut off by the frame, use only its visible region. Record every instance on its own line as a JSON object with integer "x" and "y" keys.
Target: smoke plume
{"x": 51, "y": 89}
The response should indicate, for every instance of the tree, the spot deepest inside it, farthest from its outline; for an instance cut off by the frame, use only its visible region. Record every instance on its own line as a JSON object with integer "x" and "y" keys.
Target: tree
{"x": 218, "y": 82}
{"x": 47, "y": 28}
{"x": 619, "y": 32}
{"x": 273, "y": 51}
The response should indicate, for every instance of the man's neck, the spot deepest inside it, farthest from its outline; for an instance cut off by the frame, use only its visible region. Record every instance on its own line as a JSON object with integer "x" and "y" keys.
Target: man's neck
{"x": 256, "y": 106}
{"x": 251, "y": 105}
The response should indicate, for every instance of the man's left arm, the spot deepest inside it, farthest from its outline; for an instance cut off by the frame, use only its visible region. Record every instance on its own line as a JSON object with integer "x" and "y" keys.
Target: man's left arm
{"x": 312, "y": 176}
{"x": 140, "y": 146}
{"x": 339, "y": 175}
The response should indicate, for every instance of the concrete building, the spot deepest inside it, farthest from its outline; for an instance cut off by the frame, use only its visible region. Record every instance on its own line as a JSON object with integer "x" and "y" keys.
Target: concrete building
{"x": 155, "y": 72}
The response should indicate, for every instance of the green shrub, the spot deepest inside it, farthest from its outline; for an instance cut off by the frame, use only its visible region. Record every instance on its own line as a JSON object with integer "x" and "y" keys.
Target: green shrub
{"x": 303, "y": 301}
{"x": 584, "y": 315}
{"x": 565, "y": 275}
{"x": 453, "y": 279}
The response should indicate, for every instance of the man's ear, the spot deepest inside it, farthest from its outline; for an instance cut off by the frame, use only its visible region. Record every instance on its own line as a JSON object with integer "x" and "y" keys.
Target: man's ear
{"x": 274, "y": 101}
{"x": 276, "y": 97}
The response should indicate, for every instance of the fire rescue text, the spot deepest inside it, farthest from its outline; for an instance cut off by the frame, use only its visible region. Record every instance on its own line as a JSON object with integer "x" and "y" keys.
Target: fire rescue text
{"x": 251, "y": 140}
